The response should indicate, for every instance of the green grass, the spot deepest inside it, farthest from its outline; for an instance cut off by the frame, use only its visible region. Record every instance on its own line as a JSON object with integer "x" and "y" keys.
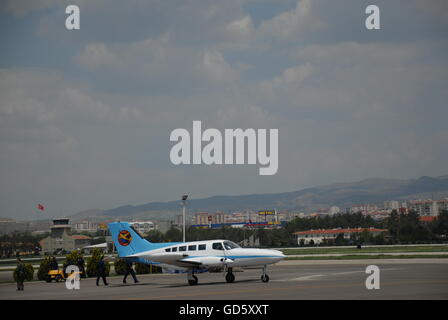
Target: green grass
{"x": 354, "y": 250}
{"x": 361, "y": 257}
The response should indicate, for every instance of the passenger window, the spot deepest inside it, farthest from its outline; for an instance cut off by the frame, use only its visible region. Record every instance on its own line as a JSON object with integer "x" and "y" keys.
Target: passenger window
{"x": 174, "y": 250}
{"x": 192, "y": 248}
{"x": 168, "y": 250}
{"x": 201, "y": 247}
{"x": 217, "y": 246}
{"x": 183, "y": 248}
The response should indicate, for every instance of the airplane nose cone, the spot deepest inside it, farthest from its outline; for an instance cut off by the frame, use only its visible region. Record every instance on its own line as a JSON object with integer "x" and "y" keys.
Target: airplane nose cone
{"x": 277, "y": 254}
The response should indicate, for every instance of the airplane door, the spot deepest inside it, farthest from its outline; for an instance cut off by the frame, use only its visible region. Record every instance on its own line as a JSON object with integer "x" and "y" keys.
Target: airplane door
{"x": 219, "y": 246}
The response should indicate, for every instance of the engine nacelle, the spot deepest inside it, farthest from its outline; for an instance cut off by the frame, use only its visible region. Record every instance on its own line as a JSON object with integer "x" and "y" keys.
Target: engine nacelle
{"x": 215, "y": 261}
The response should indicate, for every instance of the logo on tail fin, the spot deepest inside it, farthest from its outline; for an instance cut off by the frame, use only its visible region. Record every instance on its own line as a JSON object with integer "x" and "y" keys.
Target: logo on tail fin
{"x": 124, "y": 238}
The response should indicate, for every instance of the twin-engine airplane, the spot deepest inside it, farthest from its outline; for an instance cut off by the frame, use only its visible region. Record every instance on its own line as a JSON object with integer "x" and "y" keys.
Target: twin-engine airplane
{"x": 193, "y": 257}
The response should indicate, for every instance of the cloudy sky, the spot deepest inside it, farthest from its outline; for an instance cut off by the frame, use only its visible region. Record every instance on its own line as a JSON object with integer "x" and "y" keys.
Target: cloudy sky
{"x": 86, "y": 115}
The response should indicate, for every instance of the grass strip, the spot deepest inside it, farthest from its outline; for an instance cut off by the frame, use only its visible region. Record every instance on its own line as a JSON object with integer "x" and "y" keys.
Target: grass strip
{"x": 363, "y": 257}
{"x": 379, "y": 250}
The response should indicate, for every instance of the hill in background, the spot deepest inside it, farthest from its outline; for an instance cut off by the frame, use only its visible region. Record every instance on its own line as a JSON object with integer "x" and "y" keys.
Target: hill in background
{"x": 343, "y": 195}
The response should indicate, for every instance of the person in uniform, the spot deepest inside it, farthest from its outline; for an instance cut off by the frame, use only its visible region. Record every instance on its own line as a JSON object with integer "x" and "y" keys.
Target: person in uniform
{"x": 101, "y": 270}
{"x": 20, "y": 274}
{"x": 129, "y": 270}
{"x": 80, "y": 264}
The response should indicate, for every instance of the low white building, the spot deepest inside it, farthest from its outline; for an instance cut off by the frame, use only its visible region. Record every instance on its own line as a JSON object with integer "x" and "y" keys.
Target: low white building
{"x": 143, "y": 227}
{"x": 86, "y": 226}
{"x": 318, "y": 236}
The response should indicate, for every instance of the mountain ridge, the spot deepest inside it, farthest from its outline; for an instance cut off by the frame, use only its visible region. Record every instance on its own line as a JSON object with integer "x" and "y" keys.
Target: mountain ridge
{"x": 343, "y": 195}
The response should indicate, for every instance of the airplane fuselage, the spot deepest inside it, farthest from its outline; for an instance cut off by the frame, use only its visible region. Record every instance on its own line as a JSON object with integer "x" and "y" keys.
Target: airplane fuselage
{"x": 210, "y": 253}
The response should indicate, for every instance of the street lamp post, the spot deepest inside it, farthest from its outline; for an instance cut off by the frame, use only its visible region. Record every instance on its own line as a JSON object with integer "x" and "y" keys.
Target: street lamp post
{"x": 184, "y": 200}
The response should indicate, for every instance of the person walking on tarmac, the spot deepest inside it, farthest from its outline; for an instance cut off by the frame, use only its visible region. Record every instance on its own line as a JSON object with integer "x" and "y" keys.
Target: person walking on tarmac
{"x": 80, "y": 264}
{"x": 130, "y": 270}
{"x": 20, "y": 274}
{"x": 101, "y": 270}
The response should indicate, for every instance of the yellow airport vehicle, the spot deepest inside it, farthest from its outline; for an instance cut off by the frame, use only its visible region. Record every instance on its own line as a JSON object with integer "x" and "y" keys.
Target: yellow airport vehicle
{"x": 57, "y": 275}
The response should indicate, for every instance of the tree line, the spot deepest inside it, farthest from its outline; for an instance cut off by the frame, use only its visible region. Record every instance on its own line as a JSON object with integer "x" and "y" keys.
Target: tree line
{"x": 25, "y": 242}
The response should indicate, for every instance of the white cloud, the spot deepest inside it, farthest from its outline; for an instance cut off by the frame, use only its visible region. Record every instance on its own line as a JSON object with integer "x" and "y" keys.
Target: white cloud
{"x": 160, "y": 62}
{"x": 96, "y": 55}
{"x": 290, "y": 79}
{"x": 293, "y": 75}
{"x": 216, "y": 66}
{"x": 360, "y": 54}
{"x": 293, "y": 23}
{"x": 241, "y": 29}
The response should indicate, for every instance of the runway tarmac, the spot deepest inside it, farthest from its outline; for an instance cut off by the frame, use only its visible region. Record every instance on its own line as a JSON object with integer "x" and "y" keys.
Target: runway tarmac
{"x": 289, "y": 280}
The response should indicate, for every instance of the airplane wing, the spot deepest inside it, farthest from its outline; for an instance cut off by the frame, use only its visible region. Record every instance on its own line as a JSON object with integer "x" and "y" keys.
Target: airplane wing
{"x": 168, "y": 258}
{"x": 191, "y": 262}
{"x": 176, "y": 259}
{"x": 206, "y": 261}
{"x": 184, "y": 260}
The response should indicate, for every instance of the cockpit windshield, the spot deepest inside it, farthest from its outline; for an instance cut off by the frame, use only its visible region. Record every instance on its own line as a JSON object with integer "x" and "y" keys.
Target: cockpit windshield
{"x": 229, "y": 245}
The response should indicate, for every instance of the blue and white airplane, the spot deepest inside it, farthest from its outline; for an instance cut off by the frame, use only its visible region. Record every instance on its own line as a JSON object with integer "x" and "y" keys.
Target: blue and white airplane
{"x": 192, "y": 257}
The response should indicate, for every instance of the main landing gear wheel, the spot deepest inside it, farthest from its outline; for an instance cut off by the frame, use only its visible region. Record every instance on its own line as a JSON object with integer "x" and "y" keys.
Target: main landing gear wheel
{"x": 230, "y": 277}
{"x": 194, "y": 281}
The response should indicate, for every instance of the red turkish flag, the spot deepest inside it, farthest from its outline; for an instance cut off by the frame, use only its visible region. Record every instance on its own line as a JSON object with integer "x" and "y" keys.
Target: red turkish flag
{"x": 40, "y": 207}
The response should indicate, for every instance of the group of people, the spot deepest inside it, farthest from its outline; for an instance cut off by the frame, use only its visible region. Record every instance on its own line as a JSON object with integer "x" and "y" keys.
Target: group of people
{"x": 101, "y": 271}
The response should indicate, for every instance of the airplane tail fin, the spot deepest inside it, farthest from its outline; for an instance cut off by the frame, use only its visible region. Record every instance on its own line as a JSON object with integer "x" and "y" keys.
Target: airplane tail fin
{"x": 127, "y": 241}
